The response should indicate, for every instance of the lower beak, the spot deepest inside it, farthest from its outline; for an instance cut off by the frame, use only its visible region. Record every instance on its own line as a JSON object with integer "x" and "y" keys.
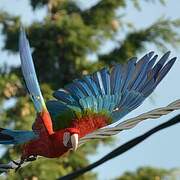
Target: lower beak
{"x": 74, "y": 141}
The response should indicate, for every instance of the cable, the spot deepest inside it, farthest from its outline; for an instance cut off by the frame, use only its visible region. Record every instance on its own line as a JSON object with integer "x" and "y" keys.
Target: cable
{"x": 122, "y": 149}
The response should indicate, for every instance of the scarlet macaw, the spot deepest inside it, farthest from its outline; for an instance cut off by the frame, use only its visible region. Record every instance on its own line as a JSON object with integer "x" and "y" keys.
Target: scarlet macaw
{"x": 83, "y": 106}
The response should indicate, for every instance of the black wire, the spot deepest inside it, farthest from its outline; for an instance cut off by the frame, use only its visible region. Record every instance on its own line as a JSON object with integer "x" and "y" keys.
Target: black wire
{"x": 123, "y": 148}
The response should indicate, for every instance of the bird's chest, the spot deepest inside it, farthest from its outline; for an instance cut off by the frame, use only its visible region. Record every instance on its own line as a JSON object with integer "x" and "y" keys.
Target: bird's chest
{"x": 46, "y": 145}
{"x": 58, "y": 147}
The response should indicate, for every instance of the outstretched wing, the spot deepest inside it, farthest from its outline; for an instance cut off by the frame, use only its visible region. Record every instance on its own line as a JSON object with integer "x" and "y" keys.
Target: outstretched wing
{"x": 29, "y": 73}
{"x": 32, "y": 82}
{"x": 115, "y": 91}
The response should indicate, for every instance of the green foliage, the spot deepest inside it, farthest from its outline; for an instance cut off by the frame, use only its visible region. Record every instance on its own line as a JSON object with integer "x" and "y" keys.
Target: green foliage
{"x": 61, "y": 44}
{"x": 145, "y": 173}
{"x": 161, "y": 33}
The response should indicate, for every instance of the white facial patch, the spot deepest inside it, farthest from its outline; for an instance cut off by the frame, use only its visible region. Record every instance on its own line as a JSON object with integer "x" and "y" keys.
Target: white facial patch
{"x": 66, "y": 138}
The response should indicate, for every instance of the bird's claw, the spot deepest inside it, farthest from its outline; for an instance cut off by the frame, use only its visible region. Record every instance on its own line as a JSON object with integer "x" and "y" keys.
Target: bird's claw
{"x": 18, "y": 164}
{"x": 29, "y": 159}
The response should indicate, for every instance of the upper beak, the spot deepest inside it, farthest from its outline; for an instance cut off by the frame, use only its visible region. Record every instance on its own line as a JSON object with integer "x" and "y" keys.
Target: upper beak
{"x": 74, "y": 141}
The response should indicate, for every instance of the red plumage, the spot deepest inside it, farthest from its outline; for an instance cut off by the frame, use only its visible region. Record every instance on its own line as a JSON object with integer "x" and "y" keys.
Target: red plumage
{"x": 50, "y": 144}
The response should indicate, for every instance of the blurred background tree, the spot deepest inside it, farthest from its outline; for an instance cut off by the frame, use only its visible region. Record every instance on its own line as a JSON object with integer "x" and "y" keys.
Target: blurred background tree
{"x": 63, "y": 44}
{"x": 147, "y": 173}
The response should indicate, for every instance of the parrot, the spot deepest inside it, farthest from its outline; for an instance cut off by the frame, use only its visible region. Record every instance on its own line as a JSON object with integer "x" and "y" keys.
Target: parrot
{"x": 93, "y": 102}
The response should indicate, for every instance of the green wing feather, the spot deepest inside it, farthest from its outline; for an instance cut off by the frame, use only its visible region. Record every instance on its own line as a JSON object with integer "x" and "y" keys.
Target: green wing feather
{"x": 113, "y": 92}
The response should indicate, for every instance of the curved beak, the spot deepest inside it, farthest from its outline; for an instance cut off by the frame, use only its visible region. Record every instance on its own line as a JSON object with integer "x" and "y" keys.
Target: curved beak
{"x": 74, "y": 141}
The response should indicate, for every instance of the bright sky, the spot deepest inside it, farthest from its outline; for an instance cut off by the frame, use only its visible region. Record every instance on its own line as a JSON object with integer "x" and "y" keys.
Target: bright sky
{"x": 160, "y": 150}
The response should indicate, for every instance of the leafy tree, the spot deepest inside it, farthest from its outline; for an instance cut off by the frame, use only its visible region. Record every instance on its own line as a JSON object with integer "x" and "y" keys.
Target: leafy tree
{"x": 146, "y": 173}
{"x": 61, "y": 44}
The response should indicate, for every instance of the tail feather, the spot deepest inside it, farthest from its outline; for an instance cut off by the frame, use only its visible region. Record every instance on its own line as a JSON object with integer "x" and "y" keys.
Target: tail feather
{"x": 8, "y": 136}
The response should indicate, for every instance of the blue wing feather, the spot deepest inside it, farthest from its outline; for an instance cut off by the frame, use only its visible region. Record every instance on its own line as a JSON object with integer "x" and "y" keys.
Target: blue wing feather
{"x": 144, "y": 78}
{"x": 84, "y": 87}
{"x": 92, "y": 85}
{"x": 29, "y": 73}
{"x": 140, "y": 69}
{"x": 122, "y": 88}
{"x": 130, "y": 69}
{"x": 116, "y": 78}
{"x": 98, "y": 80}
{"x": 165, "y": 70}
{"x": 106, "y": 80}
{"x": 65, "y": 97}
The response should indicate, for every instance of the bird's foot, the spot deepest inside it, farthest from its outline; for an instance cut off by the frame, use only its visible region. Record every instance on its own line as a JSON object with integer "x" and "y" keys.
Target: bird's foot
{"x": 11, "y": 165}
{"x": 18, "y": 164}
{"x": 15, "y": 164}
{"x": 22, "y": 161}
